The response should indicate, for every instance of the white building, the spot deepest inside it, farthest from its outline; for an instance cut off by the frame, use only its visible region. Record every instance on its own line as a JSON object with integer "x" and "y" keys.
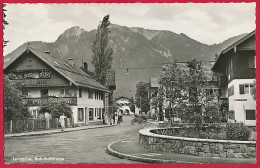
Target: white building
{"x": 123, "y": 104}
{"x": 47, "y": 79}
{"x": 236, "y": 68}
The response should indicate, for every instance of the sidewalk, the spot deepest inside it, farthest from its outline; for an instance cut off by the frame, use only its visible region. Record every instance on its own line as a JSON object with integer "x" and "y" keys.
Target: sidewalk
{"x": 55, "y": 131}
{"x": 131, "y": 150}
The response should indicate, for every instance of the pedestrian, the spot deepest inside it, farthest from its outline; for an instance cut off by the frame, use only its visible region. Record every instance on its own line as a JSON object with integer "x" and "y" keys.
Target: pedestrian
{"x": 62, "y": 121}
{"x": 120, "y": 117}
{"x": 114, "y": 118}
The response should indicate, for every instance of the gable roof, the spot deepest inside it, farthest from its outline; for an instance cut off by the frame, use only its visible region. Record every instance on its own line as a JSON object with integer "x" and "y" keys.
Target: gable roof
{"x": 72, "y": 73}
{"x": 122, "y": 97}
{"x": 232, "y": 46}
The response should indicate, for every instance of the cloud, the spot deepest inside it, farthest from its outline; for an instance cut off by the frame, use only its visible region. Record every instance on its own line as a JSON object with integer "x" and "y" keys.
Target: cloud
{"x": 206, "y": 22}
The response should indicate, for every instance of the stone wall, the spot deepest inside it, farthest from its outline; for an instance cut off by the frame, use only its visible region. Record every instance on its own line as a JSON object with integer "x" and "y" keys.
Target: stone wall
{"x": 196, "y": 146}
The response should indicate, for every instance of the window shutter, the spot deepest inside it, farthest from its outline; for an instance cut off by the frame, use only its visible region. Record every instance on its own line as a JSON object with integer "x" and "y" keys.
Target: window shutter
{"x": 241, "y": 89}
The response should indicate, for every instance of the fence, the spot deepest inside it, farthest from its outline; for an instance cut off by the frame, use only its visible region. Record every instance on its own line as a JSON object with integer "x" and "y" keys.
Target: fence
{"x": 28, "y": 125}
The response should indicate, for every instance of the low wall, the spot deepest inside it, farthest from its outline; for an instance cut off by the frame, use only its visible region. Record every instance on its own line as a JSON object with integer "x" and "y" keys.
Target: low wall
{"x": 196, "y": 146}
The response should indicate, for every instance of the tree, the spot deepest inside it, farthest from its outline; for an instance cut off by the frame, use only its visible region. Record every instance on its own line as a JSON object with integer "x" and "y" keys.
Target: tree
{"x": 13, "y": 102}
{"x": 142, "y": 100}
{"x": 132, "y": 104}
{"x": 102, "y": 57}
{"x": 200, "y": 107}
{"x": 170, "y": 89}
{"x": 56, "y": 109}
{"x": 182, "y": 91}
{"x": 157, "y": 102}
{"x": 102, "y": 52}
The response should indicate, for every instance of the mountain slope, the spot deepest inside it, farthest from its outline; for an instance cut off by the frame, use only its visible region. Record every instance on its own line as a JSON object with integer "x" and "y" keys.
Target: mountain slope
{"x": 140, "y": 50}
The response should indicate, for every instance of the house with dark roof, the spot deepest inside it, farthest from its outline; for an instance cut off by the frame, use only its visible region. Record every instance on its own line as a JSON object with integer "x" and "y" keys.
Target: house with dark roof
{"x": 236, "y": 68}
{"x": 45, "y": 79}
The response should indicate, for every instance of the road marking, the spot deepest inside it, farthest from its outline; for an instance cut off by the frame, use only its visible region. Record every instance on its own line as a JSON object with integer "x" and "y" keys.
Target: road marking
{"x": 151, "y": 154}
{"x": 125, "y": 141}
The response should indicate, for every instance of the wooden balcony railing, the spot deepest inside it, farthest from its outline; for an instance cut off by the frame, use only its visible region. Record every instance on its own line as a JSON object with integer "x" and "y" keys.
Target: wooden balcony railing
{"x": 39, "y": 101}
{"x": 39, "y": 82}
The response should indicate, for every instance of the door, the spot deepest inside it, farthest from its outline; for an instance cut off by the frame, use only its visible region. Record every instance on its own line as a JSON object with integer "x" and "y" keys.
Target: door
{"x": 91, "y": 114}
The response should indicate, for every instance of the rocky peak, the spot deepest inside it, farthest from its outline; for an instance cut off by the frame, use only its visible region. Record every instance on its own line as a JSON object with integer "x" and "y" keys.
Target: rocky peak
{"x": 147, "y": 33}
{"x": 73, "y": 32}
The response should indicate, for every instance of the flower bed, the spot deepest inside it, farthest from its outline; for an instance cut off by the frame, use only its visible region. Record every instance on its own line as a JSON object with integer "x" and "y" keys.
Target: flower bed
{"x": 196, "y": 146}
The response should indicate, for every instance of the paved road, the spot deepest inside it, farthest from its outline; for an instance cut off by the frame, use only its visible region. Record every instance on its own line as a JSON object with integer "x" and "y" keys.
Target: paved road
{"x": 85, "y": 146}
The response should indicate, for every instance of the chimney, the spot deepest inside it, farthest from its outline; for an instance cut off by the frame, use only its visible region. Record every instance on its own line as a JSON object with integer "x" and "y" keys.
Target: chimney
{"x": 85, "y": 66}
{"x": 70, "y": 60}
{"x": 47, "y": 52}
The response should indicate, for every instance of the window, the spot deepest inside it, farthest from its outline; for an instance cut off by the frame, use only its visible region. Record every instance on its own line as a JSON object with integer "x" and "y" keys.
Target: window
{"x": 64, "y": 92}
{"x": 251, "y": 62}
{"x": 90, "y": 93}
{"x": 209, "y": 92}
{"x": 250, "y": 114}
{"x": 34, "y": 114}
{"x": 231, "y": 91}
{"x": 80, "y": 114}
{"x": 102, "y": 96}
{"x": 95, "y": 94}
{"x": 44, "y": 92}
{"x": 99, "y": 97}
{"x": 99, "y": 114}
{"x": 25, "y": 93}
{"x": 80, "y": 92}
{"x": 245, "y": 88}
{"x": 91, "y": 117}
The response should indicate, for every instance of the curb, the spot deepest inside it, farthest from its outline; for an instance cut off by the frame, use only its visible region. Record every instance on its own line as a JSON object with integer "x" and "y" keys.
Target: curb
{"x": 137, "y": 158}
{"x": 56, "y": 132}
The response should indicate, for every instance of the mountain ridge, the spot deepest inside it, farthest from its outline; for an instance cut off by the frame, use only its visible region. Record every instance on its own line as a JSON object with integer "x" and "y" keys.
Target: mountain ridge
{"x": 133, "y": 47}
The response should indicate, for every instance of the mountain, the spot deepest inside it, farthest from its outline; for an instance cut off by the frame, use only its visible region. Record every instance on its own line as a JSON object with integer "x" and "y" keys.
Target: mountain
{"x": 140, "y": 50}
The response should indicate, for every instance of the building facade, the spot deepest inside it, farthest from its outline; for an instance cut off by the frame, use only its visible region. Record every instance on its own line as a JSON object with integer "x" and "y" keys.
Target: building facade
{"x": 236, "y": 68}
{"x": 123, "y": 104}
{"x": 47, "y": 79}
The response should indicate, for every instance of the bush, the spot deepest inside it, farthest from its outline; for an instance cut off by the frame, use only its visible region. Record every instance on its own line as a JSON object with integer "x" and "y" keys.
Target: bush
{"x": 56, "y": 109}
{"x": 140, "y": 119}
{"x": 237, "y": 131}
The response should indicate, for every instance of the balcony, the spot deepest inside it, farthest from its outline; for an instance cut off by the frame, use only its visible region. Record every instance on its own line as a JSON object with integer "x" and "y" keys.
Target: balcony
{"x": 39, "y": 101}
{"x": 39, "y": 82}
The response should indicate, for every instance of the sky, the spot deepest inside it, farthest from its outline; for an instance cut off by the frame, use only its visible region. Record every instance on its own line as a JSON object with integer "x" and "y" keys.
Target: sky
{"x": 208, "y": 23}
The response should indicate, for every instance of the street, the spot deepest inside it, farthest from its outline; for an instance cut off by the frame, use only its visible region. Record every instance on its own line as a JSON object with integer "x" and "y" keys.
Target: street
{"x": 85, "y": 146}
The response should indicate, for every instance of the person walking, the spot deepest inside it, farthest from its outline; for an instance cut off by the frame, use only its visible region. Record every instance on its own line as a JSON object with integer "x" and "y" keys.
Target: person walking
{"x": 120, "y": 118}
{"x": 62, "y": 121}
